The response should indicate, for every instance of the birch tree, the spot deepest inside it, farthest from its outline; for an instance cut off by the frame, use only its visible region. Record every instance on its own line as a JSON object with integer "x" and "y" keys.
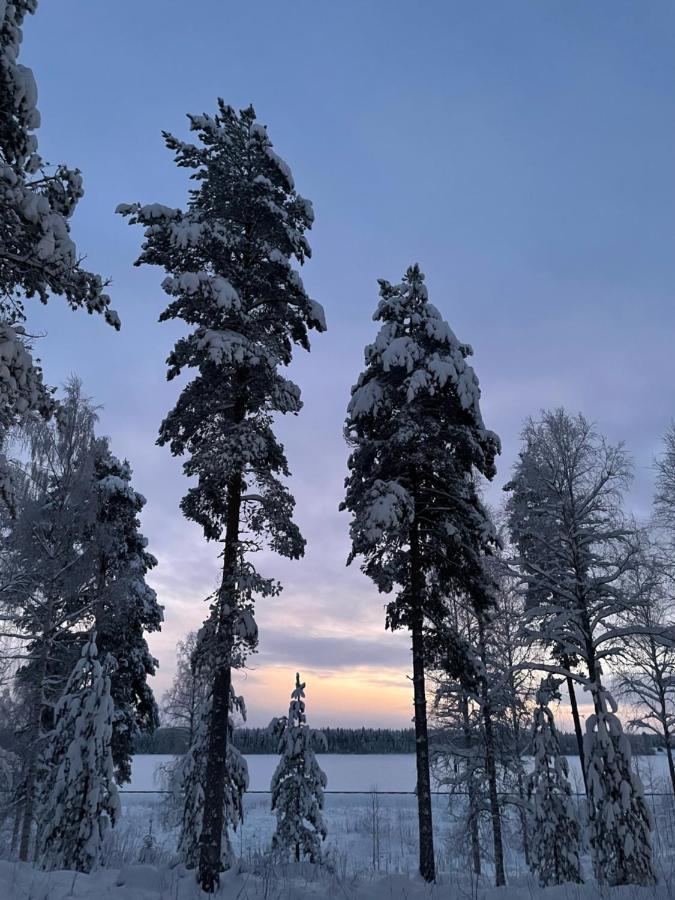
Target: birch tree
{"x": 577, "y": 547}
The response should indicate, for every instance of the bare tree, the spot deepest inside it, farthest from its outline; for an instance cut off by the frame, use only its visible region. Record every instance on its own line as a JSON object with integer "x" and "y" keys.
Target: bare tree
{"x": 645, "y": 669}
{"x": 182, "y": 702}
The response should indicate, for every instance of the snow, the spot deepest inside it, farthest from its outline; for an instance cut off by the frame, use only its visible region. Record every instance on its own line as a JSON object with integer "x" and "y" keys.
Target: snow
{"x": 19, "y": 881}
{"x": 350, "y": 820}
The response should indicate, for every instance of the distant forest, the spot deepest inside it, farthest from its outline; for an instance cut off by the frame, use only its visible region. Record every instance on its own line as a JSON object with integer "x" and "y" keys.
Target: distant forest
{"x": 348, "y": 740}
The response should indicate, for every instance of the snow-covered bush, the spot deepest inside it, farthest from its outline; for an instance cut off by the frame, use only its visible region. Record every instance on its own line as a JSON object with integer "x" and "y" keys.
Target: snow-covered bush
{"x": 619, "y": 821}
{"x": 298, "y": 783}
{"x": 555, "y": 835}
{"x": 81, "y": 800}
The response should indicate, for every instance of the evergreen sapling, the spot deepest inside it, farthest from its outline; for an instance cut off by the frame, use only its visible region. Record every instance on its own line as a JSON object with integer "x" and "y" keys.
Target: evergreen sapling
{"x": 298, "y": 783}
{"x": 555, "y": 835}
{"x": 81, "y": 801}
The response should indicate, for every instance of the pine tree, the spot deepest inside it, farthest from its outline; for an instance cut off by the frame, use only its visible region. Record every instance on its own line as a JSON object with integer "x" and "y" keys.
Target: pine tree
{"x": 418, "y": 441}
{"x": 231, "y": 280}
{"x": 37, "y": 254}
{"x": 619, "y": 822}
{"x": 298, "y": 783}
{"x": 554, "y": 828}
{"x": 190, "y": 775}
{"x": 125, "y": 606}
{"x": 81, "y": 801}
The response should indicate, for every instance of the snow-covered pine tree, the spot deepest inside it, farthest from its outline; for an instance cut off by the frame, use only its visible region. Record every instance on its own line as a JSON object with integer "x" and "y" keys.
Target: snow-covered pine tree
{"x": 298, "y": 783}
{"x": 555, "y": 835}
{"x": 81, "y": 799}
{"x": 419, "y": 442}
{"x": 37, "y": 254}
{"x": 619, "y": 821}
{"x": 190, "y": 774}
{"x": 125, "y": 606}
{"x": 231, "y": 279}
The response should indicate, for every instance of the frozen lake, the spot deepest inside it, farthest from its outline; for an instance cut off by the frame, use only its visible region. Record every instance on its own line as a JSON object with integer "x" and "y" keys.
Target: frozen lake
{"x": 368, "y": 772}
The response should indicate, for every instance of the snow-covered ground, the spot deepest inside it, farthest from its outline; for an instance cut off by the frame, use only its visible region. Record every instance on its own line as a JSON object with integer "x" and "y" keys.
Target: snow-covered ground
{"x": 371, "y": 846}
{"x": 367, "y": 833}
{"x": 19, "y": 881}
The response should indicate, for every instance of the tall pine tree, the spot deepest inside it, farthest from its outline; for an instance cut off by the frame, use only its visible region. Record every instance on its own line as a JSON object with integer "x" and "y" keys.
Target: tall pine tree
{"x": 418, "y": 441}
{"x": 231, "y": 279}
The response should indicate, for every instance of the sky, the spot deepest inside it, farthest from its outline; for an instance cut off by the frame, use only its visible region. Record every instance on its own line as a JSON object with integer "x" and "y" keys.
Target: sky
{"x": 522, "y": 152}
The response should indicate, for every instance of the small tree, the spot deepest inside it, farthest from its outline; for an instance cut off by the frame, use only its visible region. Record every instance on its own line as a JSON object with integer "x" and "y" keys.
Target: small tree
{"x": 298, "y": 783}
{"x": 644, "y": 671}
{"x": 418, "y": 446}
{"x": 619, "y": 821}
{"x": 182, "y": 702}
{"x": 555, "y": 834}
{"x": 81, "y": 800}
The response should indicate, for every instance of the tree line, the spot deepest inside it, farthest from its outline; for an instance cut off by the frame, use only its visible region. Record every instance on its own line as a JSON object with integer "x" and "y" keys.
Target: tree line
{"x": 558, "y": 591}
{"x": 168, "y": 739}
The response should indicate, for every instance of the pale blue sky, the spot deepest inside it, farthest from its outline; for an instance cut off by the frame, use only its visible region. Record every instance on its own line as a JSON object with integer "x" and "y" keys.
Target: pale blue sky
{"x": 521, "y": 152}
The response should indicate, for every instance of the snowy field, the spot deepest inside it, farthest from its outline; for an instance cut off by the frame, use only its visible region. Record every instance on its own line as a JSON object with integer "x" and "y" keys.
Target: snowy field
{"x": 368, "y": 833}
{"x": 371, "y": 846}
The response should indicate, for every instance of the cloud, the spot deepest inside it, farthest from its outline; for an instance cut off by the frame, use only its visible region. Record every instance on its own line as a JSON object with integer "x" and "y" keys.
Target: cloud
{"x": 321, "y": 652}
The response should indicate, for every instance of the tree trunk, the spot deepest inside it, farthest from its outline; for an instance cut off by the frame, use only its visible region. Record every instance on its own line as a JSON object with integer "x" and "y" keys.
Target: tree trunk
{"x": 426, "y": 834}
{"x": 33, "y": 748}
{"x": 210, "y": 843}
{"x": 577, "y": 728}
{"x": 16, "y": 828}
{"x": 491, "y": 765}
{"x": 522, "y": 813}
{"x": 471, "y": 789}
{"x": 669, "y": 750}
